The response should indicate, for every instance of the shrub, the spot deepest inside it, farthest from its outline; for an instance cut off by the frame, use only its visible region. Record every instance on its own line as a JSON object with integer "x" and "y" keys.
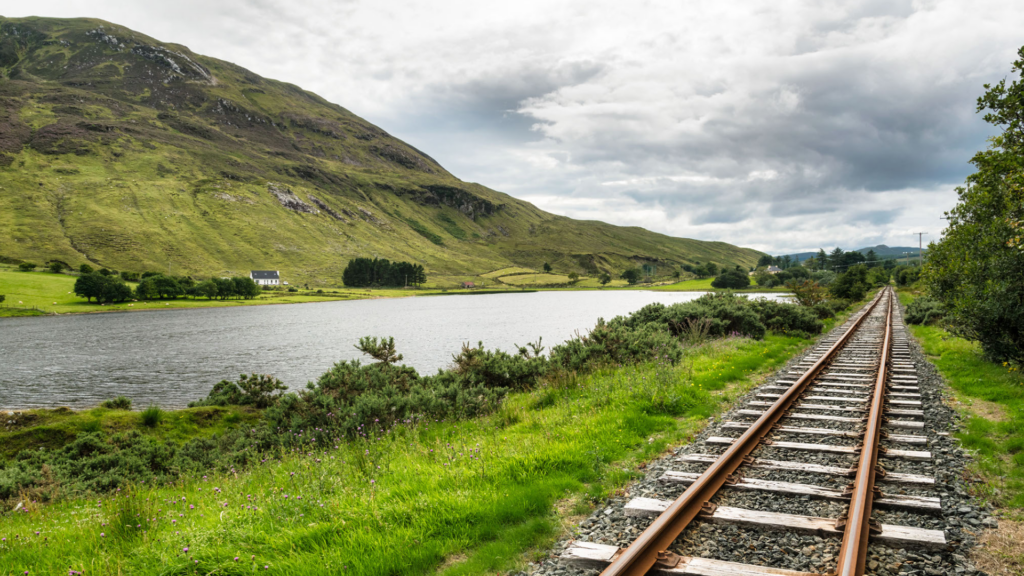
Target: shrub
{"x": 152, "y": 416}
{"x": 119, "y": 403}
{"x": 731, "y": 279}
{"x": 852, "y": 284}
{"x": 632, "y": 276}
{"x": 808, "y": 292}
{"x": 56, "y": 267}
{"x": 257, "y": 390}
{"x": 616, "y": 343}
{"x": 293, "y": 289}
{"x": 26, "y": 266}
{"x": 786, "y": 318}
{"x": 823, "y": 311}
{"x": 85, "y": 269}
{"x": 924, "y": 310}
{"x": 497, "y": 369}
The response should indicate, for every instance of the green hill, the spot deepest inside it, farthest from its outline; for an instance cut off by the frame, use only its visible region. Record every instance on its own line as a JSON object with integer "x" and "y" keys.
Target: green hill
{"x": 129, "y": 153}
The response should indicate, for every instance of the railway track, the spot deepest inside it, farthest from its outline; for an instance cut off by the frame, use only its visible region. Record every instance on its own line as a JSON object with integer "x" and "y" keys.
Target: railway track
{"x": 836, "y": 442}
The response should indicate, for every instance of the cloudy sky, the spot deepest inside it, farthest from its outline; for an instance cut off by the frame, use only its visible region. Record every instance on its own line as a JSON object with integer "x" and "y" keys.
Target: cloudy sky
{"x": 783, "y": 126}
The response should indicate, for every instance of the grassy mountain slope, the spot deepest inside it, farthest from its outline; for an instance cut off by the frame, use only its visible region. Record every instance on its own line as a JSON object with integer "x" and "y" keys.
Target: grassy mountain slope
{"x": 125, "y": 152}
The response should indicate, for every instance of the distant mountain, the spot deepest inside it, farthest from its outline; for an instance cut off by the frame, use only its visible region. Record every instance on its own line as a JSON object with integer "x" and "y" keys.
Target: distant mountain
{"x": 882, "y": 251}
{"x": 126, "y": 152}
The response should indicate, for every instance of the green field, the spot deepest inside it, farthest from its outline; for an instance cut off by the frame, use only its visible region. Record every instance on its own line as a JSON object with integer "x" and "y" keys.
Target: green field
{"x": 507, "y": 271}
{"x": 54, "y": 293}
{"x": 535, "y": 279}
{"x": 473, "y": 497}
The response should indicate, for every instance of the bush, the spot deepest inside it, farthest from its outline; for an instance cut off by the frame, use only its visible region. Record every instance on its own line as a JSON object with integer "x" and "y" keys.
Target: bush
{"x": 257, "y": 390}
{"x": 119, "y": 403}
{"x": 56, "y": 267}
{"x": 293, "y": 289}
{"x": 26, "y": 266}
{"x": 632, "y": 276}
{"x": 852, "y": 284}
{"x": 152, "y": 416}
{"x": 616, "y": 343}
{"x": 808, "y": 292}
{"x": 731, "y": 279}
{"x": 85, "y": 269}
{"x": 924, "y": 310}
{"x": 823, "y": 311}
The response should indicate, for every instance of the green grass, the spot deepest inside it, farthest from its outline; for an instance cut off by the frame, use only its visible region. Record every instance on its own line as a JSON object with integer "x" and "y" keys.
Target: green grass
{"x": 535, "y": 279}
{"x": 470, "y": 497}
{"x": 54, "y": 293}
{"x": 508, "y": 271}
{"x": 992, "y": 397}
{"x": 52, "y": 429}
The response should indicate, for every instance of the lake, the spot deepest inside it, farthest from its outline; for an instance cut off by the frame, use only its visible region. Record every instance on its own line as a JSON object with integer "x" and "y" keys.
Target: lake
{"x": 171, "y": 357}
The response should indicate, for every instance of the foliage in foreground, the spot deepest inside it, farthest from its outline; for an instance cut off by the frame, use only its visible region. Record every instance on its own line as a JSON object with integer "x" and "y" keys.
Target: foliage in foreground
{"x": 995, "y": 426}
{"x": 405, "y": 498}
{"x": 352, "y": 397}
{"x": 975, "y": 270}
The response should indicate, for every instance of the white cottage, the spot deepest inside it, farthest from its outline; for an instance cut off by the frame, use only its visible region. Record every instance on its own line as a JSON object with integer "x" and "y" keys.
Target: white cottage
{"x": 265, "y": 277}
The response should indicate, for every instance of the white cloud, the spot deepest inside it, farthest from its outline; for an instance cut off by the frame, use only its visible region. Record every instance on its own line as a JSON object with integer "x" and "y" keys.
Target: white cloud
{"x": 781, "y": 126}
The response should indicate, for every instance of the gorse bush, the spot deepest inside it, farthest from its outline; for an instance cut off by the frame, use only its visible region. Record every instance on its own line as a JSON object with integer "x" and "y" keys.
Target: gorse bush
{"x": 924, "y": 310}
{"x": 257, "y": 390}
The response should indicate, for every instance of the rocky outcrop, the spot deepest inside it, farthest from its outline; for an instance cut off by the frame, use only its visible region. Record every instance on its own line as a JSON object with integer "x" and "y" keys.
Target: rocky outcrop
{"x": 320, "y": 204}
{"x": 288, "y": 199}
{"x": 402, "y": 158}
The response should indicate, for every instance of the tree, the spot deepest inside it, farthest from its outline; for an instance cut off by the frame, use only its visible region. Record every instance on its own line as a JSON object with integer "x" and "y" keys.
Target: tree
{"x": 975, "y": 269}
{"x": 821, "y": 259}
{"x": 765, "y": 260}
{"x": 852, "y": 284}
{"x": 871, "y": 258}
{"x": 835, "y": 260}
{"x": 85, "y": 269}
{"x": 207, "y": 288}
{"x": 573, "y": 277}
{"x": 808, "y": 292}
{"x": 734, "y": 279}
{"x": 105, "y": 271}
{"x": 56, "y": 267}
{"x": 547, "y": 267}
{"x": 676, "y": 274}
{"x": 26, "y": 266}
{"x": 245, "y": 287}
{"x": 632, "y": 276}
{"x": 113, "y": 290}
{"x": 88, "y": 286}
{"x": 2, "y": 298}
{"x": 167, "y": 287}
{"x": 712, "y": 269}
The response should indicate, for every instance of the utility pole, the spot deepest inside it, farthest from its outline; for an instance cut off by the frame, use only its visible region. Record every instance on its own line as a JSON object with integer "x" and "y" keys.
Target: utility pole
{"x": 920, "y": 246}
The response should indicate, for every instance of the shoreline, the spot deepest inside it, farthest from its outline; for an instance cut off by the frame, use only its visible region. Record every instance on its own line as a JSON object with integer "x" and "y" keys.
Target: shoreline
{"x": 316, "y": 299}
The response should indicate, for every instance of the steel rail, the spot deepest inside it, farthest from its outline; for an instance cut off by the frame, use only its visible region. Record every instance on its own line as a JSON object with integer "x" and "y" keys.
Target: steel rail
{"x": 854, "y": 548}
{"x": 653, "y": 543}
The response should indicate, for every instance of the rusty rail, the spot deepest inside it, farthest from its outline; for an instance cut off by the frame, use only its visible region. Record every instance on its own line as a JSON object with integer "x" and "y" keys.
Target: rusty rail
{"x": 858, "y": 527}
{"x": 652, "y": 545}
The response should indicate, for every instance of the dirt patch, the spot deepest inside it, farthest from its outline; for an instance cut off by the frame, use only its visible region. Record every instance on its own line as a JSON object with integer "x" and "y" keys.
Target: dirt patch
{"x": 1001, "y": 552}
{"x": 452, "y": 561}
{"x": 991, "y": 411}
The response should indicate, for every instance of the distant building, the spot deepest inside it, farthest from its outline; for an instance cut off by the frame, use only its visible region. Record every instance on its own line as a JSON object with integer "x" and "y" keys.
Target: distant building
{"x": 265, "y": 277}
{"x": 468, "y": 285}
{"x": 773, "y": 269}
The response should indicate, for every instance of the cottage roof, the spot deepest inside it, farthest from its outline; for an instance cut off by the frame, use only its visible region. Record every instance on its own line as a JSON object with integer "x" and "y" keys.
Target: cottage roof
{"x": 264, "y": 275}
{"x": 774, "y": 269}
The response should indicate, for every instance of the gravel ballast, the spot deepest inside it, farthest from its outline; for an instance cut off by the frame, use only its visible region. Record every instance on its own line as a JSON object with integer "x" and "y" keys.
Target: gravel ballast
{"x": 961, "y": 519}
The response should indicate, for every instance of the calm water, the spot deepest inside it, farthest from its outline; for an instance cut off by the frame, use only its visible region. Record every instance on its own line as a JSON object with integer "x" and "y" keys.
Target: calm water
{"x": 171, "y": 357}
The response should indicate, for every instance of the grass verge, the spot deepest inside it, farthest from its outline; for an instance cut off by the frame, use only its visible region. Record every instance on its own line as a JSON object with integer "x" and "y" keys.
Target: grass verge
{"x": 991, "y": 397}
{"x": 469, "y": 497}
